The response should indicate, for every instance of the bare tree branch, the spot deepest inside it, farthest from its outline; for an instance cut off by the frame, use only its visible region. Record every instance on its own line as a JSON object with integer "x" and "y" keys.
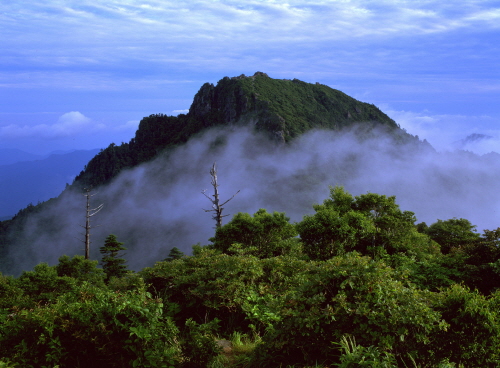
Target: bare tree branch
{"x": 216, "y": 205}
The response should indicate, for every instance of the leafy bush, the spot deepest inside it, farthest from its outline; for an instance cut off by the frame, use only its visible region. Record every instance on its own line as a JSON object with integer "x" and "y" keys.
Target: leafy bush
{"x": 265, "y": 234}
{"x": 473, "y": 334}
{"x": 371, "y": 224}
{"x": 10, "y": 294}
{"x": 128, "y": 282}
{"x": 350, "y": 295}
{"x": 452, "y": 233}
{"x": 327, "y": 233}
{"x": 43, "y": 285}
{"x": 354, "y": 355}
{"x": 80, "y": 269}
{"x": 92, "y": 327}
{"x": 207, "y": 286}
{"x": 199, "y": 347}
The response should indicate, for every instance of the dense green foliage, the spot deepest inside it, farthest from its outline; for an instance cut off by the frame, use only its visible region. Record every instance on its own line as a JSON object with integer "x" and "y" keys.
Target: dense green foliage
{"x": 371, "y": 224}
{"x": 294, "y": 106}
{"x": 91, "y": 327}
{"x": 263, "y": 235}
{"x": 363, "y": 286}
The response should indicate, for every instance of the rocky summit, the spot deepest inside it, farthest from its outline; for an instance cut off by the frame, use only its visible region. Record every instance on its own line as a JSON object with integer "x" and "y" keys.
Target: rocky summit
{"x": 283, "y": 107}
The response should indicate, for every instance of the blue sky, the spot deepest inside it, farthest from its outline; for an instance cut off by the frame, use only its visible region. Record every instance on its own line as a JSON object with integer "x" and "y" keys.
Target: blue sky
{"x": 81, "y": 74}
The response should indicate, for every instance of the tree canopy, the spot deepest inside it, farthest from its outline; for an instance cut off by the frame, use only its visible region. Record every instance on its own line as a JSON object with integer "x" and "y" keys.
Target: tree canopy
{"x": 354, "y": 284}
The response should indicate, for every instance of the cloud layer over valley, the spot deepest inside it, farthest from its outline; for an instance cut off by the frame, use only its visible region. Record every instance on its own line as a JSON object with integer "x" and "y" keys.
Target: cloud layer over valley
{"x": 159, "y": 205}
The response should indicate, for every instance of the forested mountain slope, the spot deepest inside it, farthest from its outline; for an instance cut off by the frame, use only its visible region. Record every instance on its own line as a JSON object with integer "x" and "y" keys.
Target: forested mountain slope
{"x": 284, "y": 109}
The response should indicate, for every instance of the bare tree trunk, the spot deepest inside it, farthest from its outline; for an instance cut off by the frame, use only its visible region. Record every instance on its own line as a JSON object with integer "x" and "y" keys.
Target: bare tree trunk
{"x": 216, "y": 205}
{"x": 87, "y": 227}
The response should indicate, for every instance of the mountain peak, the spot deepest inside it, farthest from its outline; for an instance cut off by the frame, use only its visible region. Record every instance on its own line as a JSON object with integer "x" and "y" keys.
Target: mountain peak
{"x": 283, "y": 107}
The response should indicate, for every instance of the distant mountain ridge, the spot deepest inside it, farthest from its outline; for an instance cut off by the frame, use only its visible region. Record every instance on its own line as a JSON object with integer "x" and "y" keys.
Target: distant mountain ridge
{"x": 31, "y": 181}
{"x": 12, "y": 155}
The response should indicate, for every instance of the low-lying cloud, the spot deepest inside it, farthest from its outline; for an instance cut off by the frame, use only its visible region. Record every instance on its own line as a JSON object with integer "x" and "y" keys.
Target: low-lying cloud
{"x": 159, "y": 205}
{"x": 452, "y": 132}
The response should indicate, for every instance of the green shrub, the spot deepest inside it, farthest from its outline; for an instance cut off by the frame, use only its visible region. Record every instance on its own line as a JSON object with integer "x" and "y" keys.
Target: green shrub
{"x": 371, "y": 224}
{"x": 92, "y": 327}
{"x": 199, "y": 347}
{"x": 43, "y": 285}
{"x": 11, "y": 296}
{"x": 472, "y": 338}
{"x": 356, "y": 356}
{"x": 350, "y": 295}
{"x": 80, "y": 269}
{"x": 267, "y": 235}
{"x": 207, "y": 286}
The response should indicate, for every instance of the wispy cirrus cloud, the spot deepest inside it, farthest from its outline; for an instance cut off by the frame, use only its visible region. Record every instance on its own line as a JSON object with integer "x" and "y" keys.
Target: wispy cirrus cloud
{"x": 82, "y": 80}
{"x": 132, "y": 35}
{"x": 110, "y": 30}
{"x": 141, "y": 41}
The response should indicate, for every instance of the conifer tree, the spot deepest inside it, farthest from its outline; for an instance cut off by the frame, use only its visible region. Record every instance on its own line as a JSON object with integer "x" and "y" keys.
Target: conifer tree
{"x": 175, "y": 253}
{"x": 111, "y": 263}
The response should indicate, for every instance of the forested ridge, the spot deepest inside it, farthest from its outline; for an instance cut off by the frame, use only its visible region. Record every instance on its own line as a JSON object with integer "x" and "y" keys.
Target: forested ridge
{"x": 357, "y": 283}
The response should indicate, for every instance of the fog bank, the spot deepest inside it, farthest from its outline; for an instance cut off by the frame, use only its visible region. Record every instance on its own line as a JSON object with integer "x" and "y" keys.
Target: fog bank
{"x": 159, "y": 204}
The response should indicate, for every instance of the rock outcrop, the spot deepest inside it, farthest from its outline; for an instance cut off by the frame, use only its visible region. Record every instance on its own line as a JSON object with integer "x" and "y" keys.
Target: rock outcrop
{"x": 283, "y": 108}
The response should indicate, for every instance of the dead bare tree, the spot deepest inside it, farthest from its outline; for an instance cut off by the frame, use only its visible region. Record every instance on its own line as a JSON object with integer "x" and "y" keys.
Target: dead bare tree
{"x": 216, "y": 205}
{"x": 87, "y": 227}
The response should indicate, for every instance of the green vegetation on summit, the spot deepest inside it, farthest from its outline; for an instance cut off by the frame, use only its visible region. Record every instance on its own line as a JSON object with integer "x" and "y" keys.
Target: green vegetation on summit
{"x": 283, "y": 109}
